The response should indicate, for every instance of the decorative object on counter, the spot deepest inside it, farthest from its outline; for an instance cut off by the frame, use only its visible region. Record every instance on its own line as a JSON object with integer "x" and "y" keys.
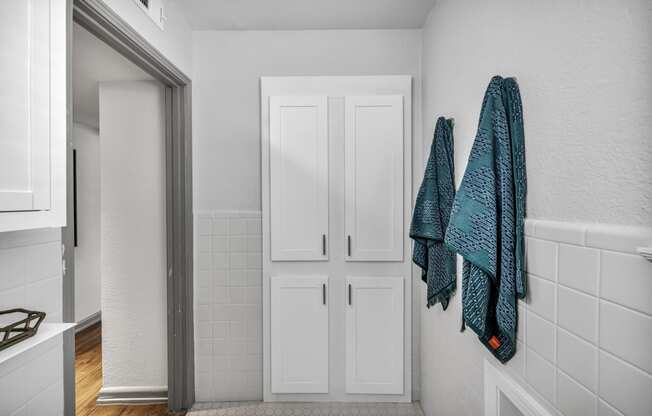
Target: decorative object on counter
{"x": 487, "y": 219}
{"x": 26, "y": 326}
{"x": 430, "y": 218}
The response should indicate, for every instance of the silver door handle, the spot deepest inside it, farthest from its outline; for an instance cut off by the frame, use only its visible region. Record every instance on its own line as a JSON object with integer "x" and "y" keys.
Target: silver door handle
{"x": 323, "y": 244}
{"x": 348, "y": 245}
{"x": 350, "y": 294}
{"x": 323, "y": 293}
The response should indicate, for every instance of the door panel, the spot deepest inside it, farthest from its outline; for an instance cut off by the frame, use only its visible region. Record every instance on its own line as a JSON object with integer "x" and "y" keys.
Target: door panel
{"x": 299, "y": 334}
{"x": 374, "y": 178}
{"x": 298, "y": 178}
{"x": 25, "y": 67}
{"x": 374, "y": 335}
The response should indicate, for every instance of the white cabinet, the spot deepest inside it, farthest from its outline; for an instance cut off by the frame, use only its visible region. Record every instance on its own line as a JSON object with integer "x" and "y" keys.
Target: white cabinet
{"x": 299, "y": 334}
{"x": 374, "y": 178}
{"x": 336, "y": 169}
{"x": 298, "y": 152}
{"x": 32, "y": 113}
{"x": 374, "y": 335}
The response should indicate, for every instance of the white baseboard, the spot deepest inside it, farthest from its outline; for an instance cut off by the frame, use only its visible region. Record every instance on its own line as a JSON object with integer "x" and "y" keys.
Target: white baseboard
{"x": 88, "y": 321}
{"x": 132, "y": 395}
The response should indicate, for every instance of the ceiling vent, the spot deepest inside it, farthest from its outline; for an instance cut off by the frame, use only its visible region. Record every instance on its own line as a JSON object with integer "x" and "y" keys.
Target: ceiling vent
{"x": 154, "y": 10}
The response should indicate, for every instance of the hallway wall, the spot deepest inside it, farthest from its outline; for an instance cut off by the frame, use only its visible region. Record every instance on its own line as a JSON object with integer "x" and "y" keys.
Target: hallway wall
{"x": 86, "y": 141}
{"x": 133, "y": 238}
{"x": 583, "y": 69}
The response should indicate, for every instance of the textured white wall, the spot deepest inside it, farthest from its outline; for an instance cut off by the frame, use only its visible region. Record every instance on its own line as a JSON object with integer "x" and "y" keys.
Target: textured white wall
{"x": 226, "y": 95}
{"x": 86, "y": 140}
{"x": 133, "y": 238}
{"x": 584, "y": 70}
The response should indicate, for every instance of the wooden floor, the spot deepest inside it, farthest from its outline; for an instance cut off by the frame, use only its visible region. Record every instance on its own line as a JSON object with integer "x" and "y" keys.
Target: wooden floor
{"x": 88, "y": 379}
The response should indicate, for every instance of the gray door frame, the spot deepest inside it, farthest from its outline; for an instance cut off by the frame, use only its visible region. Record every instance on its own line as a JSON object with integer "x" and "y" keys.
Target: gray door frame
{"x": 104, "y": 23}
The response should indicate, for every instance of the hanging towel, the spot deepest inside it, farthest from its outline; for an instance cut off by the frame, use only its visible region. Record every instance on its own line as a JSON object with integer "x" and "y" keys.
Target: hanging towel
{"x": 486, "y": 224}
{"x": 430, "y": 218}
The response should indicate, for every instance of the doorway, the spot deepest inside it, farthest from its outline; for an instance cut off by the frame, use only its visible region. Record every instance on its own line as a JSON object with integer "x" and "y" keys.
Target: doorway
{"x": 130, "y": 220}
{"x": 118, "y": 142}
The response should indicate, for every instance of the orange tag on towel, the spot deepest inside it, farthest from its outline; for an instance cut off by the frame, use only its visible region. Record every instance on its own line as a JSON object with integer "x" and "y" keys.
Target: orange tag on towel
{"x": 494, "y": 343}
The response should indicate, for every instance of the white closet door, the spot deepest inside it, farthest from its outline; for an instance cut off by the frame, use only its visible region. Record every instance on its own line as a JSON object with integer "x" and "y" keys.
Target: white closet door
{"x": 374, "y": 335}
{"x": 298, "y": 178}
{"x": 374, "y": 178}
{"x": 27, "y": 59}
{"x": 299, "y": 334}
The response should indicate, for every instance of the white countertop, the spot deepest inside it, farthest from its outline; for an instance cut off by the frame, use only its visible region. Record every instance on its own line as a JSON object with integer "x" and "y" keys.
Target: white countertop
{"x": 45, "y": 332}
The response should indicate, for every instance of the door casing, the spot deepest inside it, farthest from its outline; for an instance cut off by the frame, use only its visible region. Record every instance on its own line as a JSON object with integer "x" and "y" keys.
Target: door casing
{"x": 105, "y": 24}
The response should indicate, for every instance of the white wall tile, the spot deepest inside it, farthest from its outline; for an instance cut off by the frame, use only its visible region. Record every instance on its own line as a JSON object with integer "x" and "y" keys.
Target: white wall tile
{"x": 609, "y": 376}
{"x": 517, "y": 363}
{"x": 578, "y": 313}
{"x": 48, "y": 402}
{"x": 573, "y": 399}
{"x": 540, "y": 336}
{"x": 625, "y": 387}
{"x": 605, "y": 409}
{"x": 541, "y": 257}
{"x": 626, "y": 334}
{"x": 618, "y": 237}
{"x": 541, "y": 297}
{"x": 578, "y": 268}
{"x": 520, "y": 329}
{"x": 237, "y": 226}
{"x": 219, "y": 243}
{"x": 219, "y": 226}
{"x": 31, "y": 384}
{"x": 561, "y": 232}
{"x": 540, "y": 374}
{"x": 577, "y": 358}
{"x": 626, "y": 279}
{"x": 228, "y": 345}
{"x": 204, "y": 243}
{"x": 12, "y": 272}
{"x": 203, "y": 224}
{"x": 238, "y": 244}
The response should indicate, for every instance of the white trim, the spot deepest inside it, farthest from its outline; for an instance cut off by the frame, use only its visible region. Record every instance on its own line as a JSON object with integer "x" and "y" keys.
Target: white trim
{"x": 88, "y": 321}
{"x": 497, "y": 382}
{"x": 132, "y": 395}
{"x": 623, "y": 238}
{"x": 44, "y": 333}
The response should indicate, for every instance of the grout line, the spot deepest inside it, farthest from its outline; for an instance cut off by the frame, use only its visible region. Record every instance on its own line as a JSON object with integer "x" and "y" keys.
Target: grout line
{"x": 612, "y": 408}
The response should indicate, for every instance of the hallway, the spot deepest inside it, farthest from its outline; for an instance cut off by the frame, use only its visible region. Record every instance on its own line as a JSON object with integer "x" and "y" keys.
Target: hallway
{"x": 88, "y": 379}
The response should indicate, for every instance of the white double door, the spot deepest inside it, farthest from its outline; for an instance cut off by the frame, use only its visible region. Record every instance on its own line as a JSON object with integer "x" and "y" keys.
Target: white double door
{"x": 374, "y": 316}
{"x": 373, "y": 189}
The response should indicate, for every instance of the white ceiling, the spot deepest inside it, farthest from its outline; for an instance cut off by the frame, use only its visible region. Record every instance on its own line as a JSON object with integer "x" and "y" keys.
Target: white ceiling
{"x": 306, "y": 14}
{"x": 93, "y": 61}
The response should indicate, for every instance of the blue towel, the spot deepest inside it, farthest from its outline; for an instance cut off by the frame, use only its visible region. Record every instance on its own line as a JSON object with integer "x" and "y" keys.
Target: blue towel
{"x": 486, "y": 224}
{"x": 430, "y": 218}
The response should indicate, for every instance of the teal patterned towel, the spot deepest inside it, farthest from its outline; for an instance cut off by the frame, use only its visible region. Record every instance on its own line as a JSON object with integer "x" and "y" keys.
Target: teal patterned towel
{"x": 430, "y": 219}
{"x": 486, "y": 224}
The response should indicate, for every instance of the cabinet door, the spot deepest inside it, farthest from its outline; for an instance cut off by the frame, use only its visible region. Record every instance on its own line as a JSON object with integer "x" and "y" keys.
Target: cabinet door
{"x": 374, "y": 335}
{"x": 299, "y": 334}
{"x": 298, "y": 178}
{"x": 374, "y": 178}
{"x": 25, "y": 93}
